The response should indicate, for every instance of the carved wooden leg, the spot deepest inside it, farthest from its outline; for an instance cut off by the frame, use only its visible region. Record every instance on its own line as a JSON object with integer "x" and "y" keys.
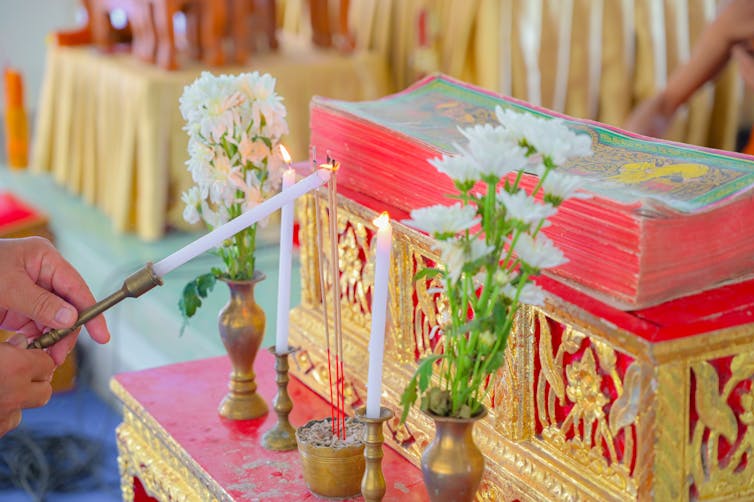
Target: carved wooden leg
{"x": 163, "y": 22}
{"x": 320, "y": 20}
{"x": 265, "y": 10}
{"x": 240, "y": 11}
{"x": 142, "y": 25}
{"x": 100, "y": 22}
{"x": 213, "y": 18}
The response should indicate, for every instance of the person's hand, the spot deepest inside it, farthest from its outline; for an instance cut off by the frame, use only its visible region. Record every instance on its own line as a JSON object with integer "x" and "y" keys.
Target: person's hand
{"x": 649, "y": 118}
{"x": 734, "y": 22}
{"x": 40, "y": 290}
{"x": 744, "y": 56}
{"x": 24, "y": 380}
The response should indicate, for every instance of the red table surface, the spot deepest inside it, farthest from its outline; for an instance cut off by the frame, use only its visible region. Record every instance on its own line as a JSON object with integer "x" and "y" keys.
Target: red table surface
{"x": 183, "y": 398}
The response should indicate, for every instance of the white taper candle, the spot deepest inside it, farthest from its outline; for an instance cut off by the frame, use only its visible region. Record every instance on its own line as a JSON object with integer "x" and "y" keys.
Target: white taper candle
{"x": 218, "y": 235}
{"x": 284, "y": 270}
{"x": 379, "y": 314}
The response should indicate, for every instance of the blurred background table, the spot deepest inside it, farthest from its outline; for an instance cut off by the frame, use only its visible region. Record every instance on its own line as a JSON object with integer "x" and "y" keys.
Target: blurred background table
{"x": 109, "y": 128}
{"x": 173, "y": 445}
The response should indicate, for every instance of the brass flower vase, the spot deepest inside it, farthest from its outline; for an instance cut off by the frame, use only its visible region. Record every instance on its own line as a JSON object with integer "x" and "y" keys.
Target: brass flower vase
{"x": 452, "y": 465}
{"x": 241, "y": 323}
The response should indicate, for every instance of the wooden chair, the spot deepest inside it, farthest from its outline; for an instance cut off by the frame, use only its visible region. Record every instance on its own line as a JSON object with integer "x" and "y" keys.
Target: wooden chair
{"x": 210, "y": 17}
{"x": 323, "y": 33}
{"x": 253, "y": 27}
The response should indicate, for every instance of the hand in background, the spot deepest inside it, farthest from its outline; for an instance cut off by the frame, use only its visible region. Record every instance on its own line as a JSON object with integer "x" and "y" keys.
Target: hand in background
{"x": 717, "y": 44}
{"x": 744, "y": 57}
{"x": 39, "y": 289}
{"x": 24, "y": 380}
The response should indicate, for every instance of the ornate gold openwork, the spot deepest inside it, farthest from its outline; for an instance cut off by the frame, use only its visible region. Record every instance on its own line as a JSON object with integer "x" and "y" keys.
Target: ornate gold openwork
{"x": 582, "y": 410}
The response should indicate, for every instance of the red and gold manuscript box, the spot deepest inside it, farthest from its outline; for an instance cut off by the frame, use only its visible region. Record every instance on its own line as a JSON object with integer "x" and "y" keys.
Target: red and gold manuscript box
{"x": 592, "y": 404}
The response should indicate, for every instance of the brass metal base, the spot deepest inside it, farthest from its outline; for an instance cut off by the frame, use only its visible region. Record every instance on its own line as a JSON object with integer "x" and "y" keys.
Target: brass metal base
{"x": 282, "y": 437}
{"x": 241, "y": 403}
{"x": 373, "y": 485}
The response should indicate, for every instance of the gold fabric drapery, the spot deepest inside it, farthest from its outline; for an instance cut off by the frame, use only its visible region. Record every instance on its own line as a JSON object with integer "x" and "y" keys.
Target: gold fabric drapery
{"x": 109, "y": 127}
{"x": 593, "y": 59}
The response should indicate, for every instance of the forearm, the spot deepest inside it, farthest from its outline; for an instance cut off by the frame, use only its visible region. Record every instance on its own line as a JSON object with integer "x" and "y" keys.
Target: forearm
{"x": 708, "y": 58}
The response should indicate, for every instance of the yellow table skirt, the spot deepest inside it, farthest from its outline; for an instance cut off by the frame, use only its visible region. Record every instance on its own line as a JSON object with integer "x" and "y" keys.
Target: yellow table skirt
{"x": 109, "y": 128}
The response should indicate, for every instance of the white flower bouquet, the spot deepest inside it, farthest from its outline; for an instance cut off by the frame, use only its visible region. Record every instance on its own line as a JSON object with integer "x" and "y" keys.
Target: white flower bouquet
{"x": 490, "y": 245}
{"x": 234, "y": 124}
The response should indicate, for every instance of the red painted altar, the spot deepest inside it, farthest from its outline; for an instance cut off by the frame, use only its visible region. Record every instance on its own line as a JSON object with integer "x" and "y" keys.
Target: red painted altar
{"x": 172, "y": 444}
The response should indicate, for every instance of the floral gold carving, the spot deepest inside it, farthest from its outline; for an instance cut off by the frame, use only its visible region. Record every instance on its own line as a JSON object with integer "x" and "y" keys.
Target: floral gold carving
{"x": 722, "y": 438}
{"x": 581, "y": 410}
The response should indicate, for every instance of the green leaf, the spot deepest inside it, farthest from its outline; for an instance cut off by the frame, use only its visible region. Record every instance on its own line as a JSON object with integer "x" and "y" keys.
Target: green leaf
{"x": 424, "y": 371}
{"x": 205, "y": 283}
{"x": 427, "y": 273}
{"x": 193, "y": 292}
{"x": 408, "y": 398}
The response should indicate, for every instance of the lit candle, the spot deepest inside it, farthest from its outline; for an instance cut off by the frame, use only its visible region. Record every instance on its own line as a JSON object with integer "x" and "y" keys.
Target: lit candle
{"x": 261, "y": 211}
{"x": 379, "y": 313}
{"x": 284, "y": 270}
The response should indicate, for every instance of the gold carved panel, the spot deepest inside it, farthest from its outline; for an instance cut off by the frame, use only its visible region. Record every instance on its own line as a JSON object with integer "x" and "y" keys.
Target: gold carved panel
{"x": 581, "y": 409}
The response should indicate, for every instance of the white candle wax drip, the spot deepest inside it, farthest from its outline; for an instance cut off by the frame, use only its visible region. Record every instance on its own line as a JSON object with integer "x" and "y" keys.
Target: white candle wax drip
{"x": 284, "y": 270}
{"x": 218, "y": 235}
{"x": 379, "y": 314}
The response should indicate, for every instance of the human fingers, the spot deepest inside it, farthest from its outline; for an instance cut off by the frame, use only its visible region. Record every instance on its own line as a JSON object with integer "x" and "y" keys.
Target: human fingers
{"x": 10, "y": 421}
{"x": 60, "y": 350}
{"x": 20, "y": 295}
{"x": 35, "y": 363}
{"x": 745, "y": 60}
{"x": 65, "y": 280}
{"x": 51, "y": 291}
{"x": 37, "y": 394}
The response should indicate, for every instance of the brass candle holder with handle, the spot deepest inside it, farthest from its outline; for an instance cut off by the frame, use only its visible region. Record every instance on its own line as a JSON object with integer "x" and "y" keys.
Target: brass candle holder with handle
{"x": 134, "y": 286}
{"x": 282, "y": 437}
{"x": 373, "y": 485}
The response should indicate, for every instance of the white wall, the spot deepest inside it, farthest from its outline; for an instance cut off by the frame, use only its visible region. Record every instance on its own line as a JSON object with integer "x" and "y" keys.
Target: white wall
{"x": 24, "y": 26}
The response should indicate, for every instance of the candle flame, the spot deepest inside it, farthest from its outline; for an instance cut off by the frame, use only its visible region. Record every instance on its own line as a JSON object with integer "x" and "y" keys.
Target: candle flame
{"x": 330, "y": 166}
{"x": 382, "y": 221}
{"x": 285, "y": 154}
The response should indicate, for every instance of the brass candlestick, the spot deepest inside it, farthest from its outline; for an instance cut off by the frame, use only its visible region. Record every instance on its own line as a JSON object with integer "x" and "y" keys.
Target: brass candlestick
{"x": 373, "y": 483}
{"x": 134, "y": 286}
{"x": 282, "y": 437}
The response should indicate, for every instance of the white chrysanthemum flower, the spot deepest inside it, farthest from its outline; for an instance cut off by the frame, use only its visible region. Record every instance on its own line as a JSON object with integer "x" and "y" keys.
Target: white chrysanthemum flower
{"x": 496, "y": 159}
{"x": 494, "y": 148}
{"x": 455, "y": 253}
{"x": 200, "y": 161}
{"x": 458, "y": 167}
{"x": 524, "y": 208}
{"x": 214, "y": 218}
{"x": 193, "y": 199}
{"x": 252, "y": 151}
{"x": 531, "y": 294}
{"x": 539, "y": 252}
{"x": 560, "y": 186}
{"x": 440, "y": 220}
{"x": 550, "y": 137}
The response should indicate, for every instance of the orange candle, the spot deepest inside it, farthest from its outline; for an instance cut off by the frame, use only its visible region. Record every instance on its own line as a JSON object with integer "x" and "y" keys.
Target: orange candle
{"x": 16, "y": 124}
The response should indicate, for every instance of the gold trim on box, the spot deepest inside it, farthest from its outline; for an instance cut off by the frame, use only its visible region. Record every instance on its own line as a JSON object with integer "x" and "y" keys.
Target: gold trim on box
{"x": 582, "y": 410}
{"x": 146, "y": 451}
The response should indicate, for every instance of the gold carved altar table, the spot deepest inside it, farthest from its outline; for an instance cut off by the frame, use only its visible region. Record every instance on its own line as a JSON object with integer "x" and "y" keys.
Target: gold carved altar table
{"x": 592, "y": 403}
{"x": 109, "y": 128}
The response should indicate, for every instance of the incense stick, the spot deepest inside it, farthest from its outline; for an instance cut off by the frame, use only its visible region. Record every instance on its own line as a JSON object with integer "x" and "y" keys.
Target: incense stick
{"x": 323, "y": 294}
